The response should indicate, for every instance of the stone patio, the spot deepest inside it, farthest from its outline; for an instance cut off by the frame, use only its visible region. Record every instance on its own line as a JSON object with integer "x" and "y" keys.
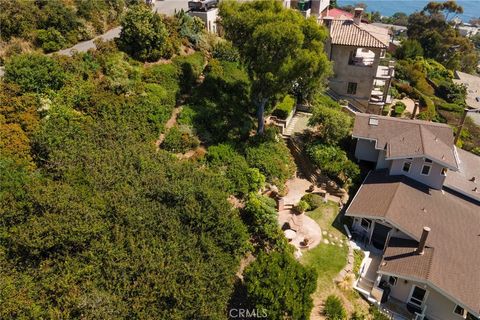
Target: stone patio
{"x": 306, "y": 227}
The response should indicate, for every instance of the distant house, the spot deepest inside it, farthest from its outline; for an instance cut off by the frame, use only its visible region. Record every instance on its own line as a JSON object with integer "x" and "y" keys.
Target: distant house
{"x": 418, "y": 212}
{"x": 357, "y": 50}
{"x": 308, "y": 7}
{"x": 207, "y": 11}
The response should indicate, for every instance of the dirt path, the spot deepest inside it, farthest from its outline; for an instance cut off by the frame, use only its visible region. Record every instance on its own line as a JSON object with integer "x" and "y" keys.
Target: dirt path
{"x": 170, "y": 123}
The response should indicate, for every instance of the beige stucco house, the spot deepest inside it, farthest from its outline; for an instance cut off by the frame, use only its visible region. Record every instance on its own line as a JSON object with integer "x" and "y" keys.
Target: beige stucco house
{"x": 361, "y": 74}
{"x": 417, "y": 216}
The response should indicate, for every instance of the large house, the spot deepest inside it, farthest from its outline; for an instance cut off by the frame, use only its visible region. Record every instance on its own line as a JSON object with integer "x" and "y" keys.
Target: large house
{"x": 361, "y": 74}
{"x": 418, "y": 212}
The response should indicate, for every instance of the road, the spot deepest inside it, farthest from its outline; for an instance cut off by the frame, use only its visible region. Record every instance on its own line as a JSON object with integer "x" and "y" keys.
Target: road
{"x": 167, "y": 7}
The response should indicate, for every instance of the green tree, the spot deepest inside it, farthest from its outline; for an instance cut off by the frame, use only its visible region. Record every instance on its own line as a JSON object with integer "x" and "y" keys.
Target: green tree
{"x": 50, "y": 40}
{"x": 333, "y": 124}
{"x": 334, "y": 162}
{"x": 143, "y": 35}
{"x": 280, "y": 48}
{"x": 34, "y": 72}
{"x": 439, "y": 39}
{"x": 286, "y": 291}
{"x": 409, "y": 49}
{"x": 17, "y": 18}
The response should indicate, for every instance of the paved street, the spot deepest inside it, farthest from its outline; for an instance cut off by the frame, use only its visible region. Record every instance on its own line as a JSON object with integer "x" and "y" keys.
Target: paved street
{"x": 167, "y": 7}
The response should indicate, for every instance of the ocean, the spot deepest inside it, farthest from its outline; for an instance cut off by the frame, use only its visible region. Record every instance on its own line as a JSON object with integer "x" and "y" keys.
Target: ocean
{"x": 471, "y": 8}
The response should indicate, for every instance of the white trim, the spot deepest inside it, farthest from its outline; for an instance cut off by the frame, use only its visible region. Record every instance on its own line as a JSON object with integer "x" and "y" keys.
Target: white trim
{"x": 431, "y": 285}
{"x": 409, "y": 165}
{"x": 464, "y": 315}
{"x": 425, "y": 296}
{"x": 429, "y": 169}
{"x": 444, "y": 164}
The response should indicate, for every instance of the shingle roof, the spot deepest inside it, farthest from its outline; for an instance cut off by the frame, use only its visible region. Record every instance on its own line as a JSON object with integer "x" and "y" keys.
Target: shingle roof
{"x": 408, "y": 138}
{"x": 452, "y": 265}
{"x": 467, "y": 179}
{"x": 345, "y": 32}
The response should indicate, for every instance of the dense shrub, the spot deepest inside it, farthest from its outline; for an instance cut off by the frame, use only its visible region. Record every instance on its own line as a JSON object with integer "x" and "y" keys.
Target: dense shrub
{"x": 34, "y": 72}
{"x": 50, "y": 40}
{"x": 261, "y": 218}
{"x": 167, "y": 75}
{"x": 333, "y": 125}
{"x": 326, "y": 101}
{"x": 398, "y": 109}
{"x": 224, "y": 50}
{"x": 377, "y": 314}
{"x": 302, "y": 206}
{"x": 179, "y": 140}
{"x": 283, "y": 109}
{"x": 428, "y": 109}
{"x": 451, "y": 92}
{"x": 191, "y": 66}
{"x": 452, "y": 107}
{"x": 273, "y": 159}
{"x": 334, "y": 309}
{"x": 409, "y": 49}
{"x": 224, "y": 158}
{"x": 314, "y": 200}
{"x": 334, "y": 162}
{"x": 386, "y": 110}
{"x": 286, "y": 292}
{"x": 144, "y": 35}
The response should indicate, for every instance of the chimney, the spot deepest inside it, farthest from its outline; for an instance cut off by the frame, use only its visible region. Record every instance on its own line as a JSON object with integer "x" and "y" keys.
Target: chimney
{"x": 423, "y": 240}
{"x": 415, "y": 109}
{"x": 327, "y": 22}
{"x": 357, "y": 17}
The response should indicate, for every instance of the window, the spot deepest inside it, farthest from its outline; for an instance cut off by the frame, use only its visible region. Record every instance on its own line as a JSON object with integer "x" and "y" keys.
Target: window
{"x": 352, "y": 88}
{"x": 392, "y": 280}
{"x": 459, "y": 310}
{"x": 365, "y": 223}
{"x": 406, "y": 166}
{"x": 428, "y": 160}
{"x": 426, "y": 170}
{"x": 417, "y": 296}
{"x": 444, "y": 171}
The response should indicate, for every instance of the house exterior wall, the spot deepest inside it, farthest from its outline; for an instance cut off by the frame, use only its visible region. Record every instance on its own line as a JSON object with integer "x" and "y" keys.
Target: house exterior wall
{"x": 382, "y": 163}
{"x": 209, "y": 18}
{"x": 438, "y": 306}
{"x": 435, "y": 178}
{"x": 318, "y": 6}
{"x": 365, "y": 150}
{"x": 363, "y": 76}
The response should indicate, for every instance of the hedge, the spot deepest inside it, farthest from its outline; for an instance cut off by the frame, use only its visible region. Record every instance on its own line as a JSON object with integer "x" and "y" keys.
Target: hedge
{"x": 191, "y": 67}
{"x": 283, "y": 109}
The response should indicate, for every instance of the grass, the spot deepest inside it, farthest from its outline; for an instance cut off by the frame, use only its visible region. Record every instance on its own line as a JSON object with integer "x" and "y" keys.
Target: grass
{"x": 358, "y": 256}
{"x": 327, "y": 259}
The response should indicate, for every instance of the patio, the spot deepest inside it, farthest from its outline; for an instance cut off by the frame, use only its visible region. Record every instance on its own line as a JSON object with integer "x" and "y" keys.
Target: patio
{"x": 304, "y": 227}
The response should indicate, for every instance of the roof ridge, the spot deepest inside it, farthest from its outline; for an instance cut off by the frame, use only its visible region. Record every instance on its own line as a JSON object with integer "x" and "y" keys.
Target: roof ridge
{"x": 371, "y": 33}
{"x": 420, "y": 127}
{"x": 367, "y": 32}
{"x": 412, "y": 121}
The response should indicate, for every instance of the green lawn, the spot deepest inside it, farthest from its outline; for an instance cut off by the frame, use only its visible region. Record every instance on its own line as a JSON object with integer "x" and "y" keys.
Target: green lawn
{"x": 327, "y": 259}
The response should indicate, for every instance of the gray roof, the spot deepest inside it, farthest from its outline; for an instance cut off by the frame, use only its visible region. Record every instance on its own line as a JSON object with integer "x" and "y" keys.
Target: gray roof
{"x": 452, "y": 261}
{"x": 467, "y": 179}
{"x": 403, "y": 138}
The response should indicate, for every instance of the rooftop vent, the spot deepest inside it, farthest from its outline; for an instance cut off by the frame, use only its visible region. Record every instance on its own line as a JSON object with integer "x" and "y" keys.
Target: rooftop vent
{"x": 373, "y": 121}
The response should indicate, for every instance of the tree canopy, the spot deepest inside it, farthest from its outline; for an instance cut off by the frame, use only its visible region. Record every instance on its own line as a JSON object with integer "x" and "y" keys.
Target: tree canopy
{"x": 144, "y": 35}
{"x": 282, "y": 50}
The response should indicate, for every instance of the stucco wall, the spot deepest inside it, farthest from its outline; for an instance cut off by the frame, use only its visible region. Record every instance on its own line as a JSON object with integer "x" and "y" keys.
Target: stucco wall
{"x": 209, "y": 18}
{"x": 438, "y": 306}
{"x": 345, "y": 73}
{"x": 435, "y": 179}
{"x": 365, "y": 150}
{"x": 381, "y": 162}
